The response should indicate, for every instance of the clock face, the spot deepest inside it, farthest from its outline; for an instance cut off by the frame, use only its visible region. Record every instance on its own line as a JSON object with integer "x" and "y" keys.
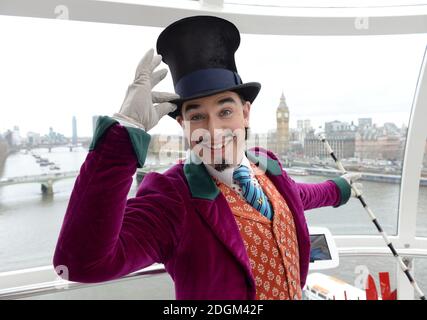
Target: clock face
{"x": 279, "y": 115}
{"x": 286, "y": 115}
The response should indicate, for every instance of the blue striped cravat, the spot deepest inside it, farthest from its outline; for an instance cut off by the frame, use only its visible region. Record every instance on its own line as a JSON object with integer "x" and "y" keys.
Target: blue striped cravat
{"x": 251, "y": 192}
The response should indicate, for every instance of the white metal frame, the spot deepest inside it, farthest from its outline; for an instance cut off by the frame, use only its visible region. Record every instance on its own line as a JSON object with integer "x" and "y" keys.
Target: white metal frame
{"x": 249, "y": 19}
{"x": 286, "y": 21}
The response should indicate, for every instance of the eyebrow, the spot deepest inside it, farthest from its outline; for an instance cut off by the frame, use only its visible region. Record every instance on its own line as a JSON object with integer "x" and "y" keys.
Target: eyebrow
{"x": 220, "y": 102}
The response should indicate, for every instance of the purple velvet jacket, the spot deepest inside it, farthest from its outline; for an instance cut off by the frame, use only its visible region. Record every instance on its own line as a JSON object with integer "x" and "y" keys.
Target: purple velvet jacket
{"x": 178, "y": 218}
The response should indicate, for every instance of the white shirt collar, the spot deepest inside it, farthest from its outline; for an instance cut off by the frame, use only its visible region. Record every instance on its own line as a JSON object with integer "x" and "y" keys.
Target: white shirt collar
{"x": 225, "y": 176}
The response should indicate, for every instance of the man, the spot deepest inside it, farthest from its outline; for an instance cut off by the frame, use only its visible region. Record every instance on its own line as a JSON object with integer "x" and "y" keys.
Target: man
{"x": 227, "y": 223}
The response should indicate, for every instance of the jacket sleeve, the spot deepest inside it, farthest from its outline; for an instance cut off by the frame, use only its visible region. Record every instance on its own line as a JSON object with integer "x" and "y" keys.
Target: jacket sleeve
{"x": 335, "y": 192}
{"x": 105, "y": 235}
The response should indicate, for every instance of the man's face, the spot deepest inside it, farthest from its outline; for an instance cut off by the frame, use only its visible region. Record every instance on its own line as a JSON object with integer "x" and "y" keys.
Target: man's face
{"x": 214, "y": 127}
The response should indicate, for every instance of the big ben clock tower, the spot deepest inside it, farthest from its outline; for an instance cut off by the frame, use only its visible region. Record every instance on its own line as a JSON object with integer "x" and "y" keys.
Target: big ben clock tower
{"x": 282, "y": 132}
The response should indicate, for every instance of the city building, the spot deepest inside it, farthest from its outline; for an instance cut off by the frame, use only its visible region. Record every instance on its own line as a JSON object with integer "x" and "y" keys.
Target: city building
{"x": 94, "y": 121}
{"x": 303, "y": 128}
{"x": 263, "y": 140}
{"x": 33, "y": 138}
{"x": 53, "y": 138}
{"x": 16, "y": 139}
{"x": 384, "y": 143}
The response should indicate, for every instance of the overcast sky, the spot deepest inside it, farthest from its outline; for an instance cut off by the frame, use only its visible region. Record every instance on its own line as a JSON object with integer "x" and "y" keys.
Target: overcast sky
{"x": 51, "y": 70}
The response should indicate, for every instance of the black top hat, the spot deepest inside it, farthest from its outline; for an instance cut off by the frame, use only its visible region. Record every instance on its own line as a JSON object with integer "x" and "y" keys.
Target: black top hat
{"x": 199, "y": 51}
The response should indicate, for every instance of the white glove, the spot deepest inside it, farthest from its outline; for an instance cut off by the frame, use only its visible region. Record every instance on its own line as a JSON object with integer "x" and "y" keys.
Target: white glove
{"x": 351, "y": 178}
{"x": 138, "y": 108}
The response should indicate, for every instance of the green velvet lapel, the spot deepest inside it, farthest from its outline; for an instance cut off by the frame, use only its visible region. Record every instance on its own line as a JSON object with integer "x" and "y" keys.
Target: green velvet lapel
{"x": 202, "y": 185}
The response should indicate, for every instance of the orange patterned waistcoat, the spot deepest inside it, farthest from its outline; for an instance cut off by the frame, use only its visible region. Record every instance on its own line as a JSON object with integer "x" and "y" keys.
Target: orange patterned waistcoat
{"x": 272, "y": 246}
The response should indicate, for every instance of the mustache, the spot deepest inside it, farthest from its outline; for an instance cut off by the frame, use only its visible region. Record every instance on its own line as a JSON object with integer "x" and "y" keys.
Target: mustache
{"x": 206, "y": 141}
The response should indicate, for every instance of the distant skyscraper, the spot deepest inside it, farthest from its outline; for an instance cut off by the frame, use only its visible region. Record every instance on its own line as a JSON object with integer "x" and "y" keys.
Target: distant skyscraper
{"x": 94, "y": 120}
{"x": 74, "y": 139}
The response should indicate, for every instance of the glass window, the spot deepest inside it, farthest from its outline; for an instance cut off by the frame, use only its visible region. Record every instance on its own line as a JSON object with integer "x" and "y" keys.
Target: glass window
{"x": 358, "y": 89}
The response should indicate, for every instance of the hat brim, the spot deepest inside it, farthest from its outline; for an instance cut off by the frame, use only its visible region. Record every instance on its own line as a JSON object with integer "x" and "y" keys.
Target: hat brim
{"x": 248, "y": 91}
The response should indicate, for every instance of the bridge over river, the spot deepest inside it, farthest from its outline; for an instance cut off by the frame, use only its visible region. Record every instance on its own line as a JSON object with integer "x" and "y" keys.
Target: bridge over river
{"x": 47, "y": 179}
